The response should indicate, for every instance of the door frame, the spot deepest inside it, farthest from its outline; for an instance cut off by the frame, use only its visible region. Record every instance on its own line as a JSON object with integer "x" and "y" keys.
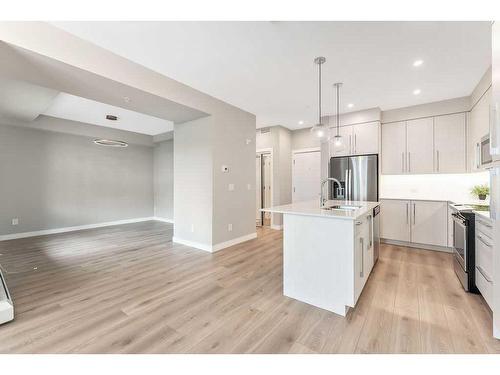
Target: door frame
{"x": 304, "y": 151}
{"x": 268, "y": 151}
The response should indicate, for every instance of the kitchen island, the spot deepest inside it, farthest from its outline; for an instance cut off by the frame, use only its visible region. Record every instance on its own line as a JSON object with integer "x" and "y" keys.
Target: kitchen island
{"x": 327, "y": 252}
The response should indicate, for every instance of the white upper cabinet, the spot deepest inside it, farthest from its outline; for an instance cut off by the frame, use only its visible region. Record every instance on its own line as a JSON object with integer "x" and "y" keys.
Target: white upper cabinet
{"x": 420, "y": 146}
{"x": 357, "y": 139}
{"x": 449, "y": 143}
{"x": 344, "y": 148}
{"x": 479, "y": 122}
{"x": 393, "y": 155}
{"x": 365, "y": 138}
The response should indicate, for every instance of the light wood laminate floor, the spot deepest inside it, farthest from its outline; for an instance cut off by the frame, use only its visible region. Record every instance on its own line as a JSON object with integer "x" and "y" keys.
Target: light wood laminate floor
{"x": 129, "y": 289}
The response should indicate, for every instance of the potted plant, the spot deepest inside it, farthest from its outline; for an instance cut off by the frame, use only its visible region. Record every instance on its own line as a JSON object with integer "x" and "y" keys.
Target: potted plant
{"x": 481, "y": 191}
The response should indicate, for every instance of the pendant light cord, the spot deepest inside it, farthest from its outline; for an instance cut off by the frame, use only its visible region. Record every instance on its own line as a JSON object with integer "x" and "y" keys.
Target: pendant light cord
{"x": 319, "y": 93}
{"x": 338, "y": 107}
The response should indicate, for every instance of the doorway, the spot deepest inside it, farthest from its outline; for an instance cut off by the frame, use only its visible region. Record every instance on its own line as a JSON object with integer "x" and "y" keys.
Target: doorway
{"x": 263, "y": 174}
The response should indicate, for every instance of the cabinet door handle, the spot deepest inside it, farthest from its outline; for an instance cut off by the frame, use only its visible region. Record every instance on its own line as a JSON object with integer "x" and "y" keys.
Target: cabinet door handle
{"x": 407, "y": 214}
{"x": 350, "y": 144}
{"x": 402, "y": 162}
{"x": 478, "y": 156}
{"x": 361, "y": 272}
{"x": 437, "y": 160}
{"x": 483, "y": 241}
{"x": 354, "y": 143}
{"x": 414, "y": 214}
{"x": 370, "y": 233}
{"x": 409, "y": 162}
{"x": 481, "y": 271}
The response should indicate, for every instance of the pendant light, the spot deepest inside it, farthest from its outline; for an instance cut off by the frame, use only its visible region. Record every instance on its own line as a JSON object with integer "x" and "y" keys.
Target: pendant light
{"x": 319, "y": 130}
{"x": 337, "y": 139}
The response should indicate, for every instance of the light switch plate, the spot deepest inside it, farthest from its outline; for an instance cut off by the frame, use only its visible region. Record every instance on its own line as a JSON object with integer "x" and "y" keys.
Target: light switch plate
{"x": 15, "y": 221}
{"x": 230, "y": 187}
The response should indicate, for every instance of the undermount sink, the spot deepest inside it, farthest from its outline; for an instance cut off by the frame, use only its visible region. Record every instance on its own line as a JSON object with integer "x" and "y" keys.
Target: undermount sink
{"x": 341, "y": 207}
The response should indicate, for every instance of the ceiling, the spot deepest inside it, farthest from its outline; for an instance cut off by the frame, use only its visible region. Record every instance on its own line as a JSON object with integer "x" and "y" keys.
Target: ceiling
{"x": 267, "y": 67}
{"x": 75, "y": 108}
{"x": 23, "y": 101}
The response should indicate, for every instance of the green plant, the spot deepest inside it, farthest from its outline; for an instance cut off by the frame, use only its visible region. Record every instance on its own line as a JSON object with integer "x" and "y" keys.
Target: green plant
{"x": 480, "y": 190}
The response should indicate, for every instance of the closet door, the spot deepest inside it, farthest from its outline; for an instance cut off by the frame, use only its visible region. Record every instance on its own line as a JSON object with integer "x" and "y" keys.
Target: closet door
{"x": 420, "y": 146}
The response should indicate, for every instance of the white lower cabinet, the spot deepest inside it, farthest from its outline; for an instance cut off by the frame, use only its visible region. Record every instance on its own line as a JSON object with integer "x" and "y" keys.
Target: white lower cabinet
{"x": 484, "y": 259}
{"x": 419, "y": 222}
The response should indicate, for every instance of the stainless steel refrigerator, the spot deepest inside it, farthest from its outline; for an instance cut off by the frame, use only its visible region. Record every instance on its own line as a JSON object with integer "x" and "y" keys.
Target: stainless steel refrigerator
{"x": 358, "y": 176}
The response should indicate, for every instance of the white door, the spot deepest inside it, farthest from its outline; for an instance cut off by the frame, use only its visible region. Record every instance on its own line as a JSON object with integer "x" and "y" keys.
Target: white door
{"x": 395, "y": 220}
{"x": 429, "y": 222}
{"x": 266, "y": 184}
{"x": 449, "y": 143}
{"x": 345, "y": 146}
{"x": 420, "y": 146}
{"x": 394, "y": 148}
{"x": 306, "y": 176}
{"x": 258, "y": 188}
{"x": 365, "y": 138}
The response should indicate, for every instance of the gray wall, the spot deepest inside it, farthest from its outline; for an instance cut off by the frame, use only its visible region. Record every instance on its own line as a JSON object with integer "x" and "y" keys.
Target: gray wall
{"x": 53, "y": 180}
{"x": 302, "y": 138}
{"x": 164, "y": 179}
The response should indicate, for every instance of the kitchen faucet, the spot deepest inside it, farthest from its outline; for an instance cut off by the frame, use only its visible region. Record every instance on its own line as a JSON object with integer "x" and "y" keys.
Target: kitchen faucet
{"x": 322, "y": 198}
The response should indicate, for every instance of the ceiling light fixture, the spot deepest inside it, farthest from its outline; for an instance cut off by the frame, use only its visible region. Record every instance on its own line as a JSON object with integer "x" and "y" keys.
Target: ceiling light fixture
{"x": 301, "y": 122}
{"x": 350, "y": 105}
{"x": 338, "y": 138}
{"x": 319, "y": 130}
{"x": 110, "y": 143}
{"x": 111, "y": 117}
{"x": 417, "y": 63}
{"x": 416, "y": 92}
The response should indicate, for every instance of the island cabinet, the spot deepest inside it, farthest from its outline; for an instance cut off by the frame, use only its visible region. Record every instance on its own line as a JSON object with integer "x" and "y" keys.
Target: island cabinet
{"x": 327, "y": 254}
{"x": 363, "y": 253}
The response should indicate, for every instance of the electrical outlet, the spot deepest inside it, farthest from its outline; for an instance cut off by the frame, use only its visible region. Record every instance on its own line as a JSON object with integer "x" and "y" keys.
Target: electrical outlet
{"x": 224, "y": 169}
{"x": 230, "y": 187}
{"x": 15, "y": 221}
{"x": 230, "y": 227}
{"x": 192, "y": 228}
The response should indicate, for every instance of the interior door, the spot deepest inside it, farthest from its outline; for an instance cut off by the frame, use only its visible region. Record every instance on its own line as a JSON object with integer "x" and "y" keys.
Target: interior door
{"x": 449, "y": 143}
{"x": 306, "y": 176}
{"x": 258, "y": 189}
{"x": 420, "y": 146}
{"x": 266, "y": 185}
{"x": 365, "y": 138}
{"x": 394, "y": 148}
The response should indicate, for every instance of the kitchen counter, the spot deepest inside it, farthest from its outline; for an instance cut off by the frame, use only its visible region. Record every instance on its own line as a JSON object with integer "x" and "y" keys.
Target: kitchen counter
{"x": 312, "y": 208}
{"x": 327, "y": 254}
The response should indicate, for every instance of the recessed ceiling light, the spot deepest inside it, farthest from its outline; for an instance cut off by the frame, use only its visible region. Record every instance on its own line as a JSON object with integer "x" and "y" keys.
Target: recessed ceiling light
{"x": 418, "y": 62}
{"x": 350, "y": 105}
{"x": 416, "y": 92}
{"x": 301, "y": 122}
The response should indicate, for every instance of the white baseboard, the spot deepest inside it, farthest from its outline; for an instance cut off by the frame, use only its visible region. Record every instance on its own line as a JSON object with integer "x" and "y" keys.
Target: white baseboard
{"x": 216, "y": 247}
{"x": 233, "y": 242}
{"x": 165, "y": 220}
{"x": 277, "y": 227}
{"x": 196, "y": 245}
{"x": 44, "y": 232}
{"x": 417, "y": 245}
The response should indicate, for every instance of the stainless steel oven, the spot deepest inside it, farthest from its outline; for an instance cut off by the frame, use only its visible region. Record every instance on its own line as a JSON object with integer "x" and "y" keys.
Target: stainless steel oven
{"x": 464, "y": 249}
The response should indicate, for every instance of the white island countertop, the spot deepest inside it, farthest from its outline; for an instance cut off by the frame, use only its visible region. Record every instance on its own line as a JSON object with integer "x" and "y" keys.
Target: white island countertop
{"x": 312, "y": 208}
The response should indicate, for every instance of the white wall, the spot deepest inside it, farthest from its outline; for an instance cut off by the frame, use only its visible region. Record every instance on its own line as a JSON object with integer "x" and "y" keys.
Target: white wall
{"x": 52, "y": 180}
{"x": 164, "y": 180}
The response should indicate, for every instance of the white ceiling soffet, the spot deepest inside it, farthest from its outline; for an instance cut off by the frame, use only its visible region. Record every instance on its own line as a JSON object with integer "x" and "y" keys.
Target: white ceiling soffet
{"x": 75, "y": 108}
{"x": 267, "y": 67}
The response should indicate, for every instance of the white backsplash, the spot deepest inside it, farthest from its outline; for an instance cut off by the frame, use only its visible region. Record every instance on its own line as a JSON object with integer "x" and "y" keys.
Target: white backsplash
{"x": 451, "y": 187}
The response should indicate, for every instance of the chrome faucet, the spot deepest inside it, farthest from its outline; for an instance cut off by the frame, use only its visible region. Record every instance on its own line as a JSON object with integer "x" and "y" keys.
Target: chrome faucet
{"x": 322, "y": 198}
